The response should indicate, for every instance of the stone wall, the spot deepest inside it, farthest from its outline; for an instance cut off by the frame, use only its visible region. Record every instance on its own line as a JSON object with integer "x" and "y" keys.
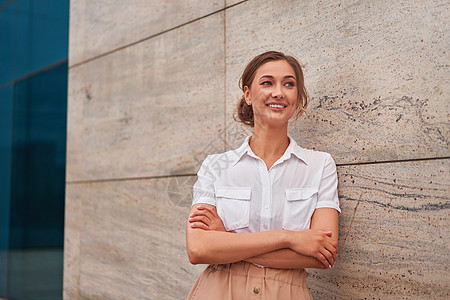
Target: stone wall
{"x": 152, "y": 89}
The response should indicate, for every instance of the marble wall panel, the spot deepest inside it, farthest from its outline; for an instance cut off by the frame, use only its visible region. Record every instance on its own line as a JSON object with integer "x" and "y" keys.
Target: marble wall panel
{"x": 394, "y": 238}
{"x": 131, "y": 240}
{"x": 233, "y": 2}
{"x": 72, "y": 234}
{"x": 377, "y": 73}
{"x": 127, "y": 239}
{"x": 152, "y": 109}
{"x": 101, "y": 26}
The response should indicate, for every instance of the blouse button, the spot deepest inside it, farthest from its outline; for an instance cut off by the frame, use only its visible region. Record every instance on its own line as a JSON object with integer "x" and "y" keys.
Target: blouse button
{"x": 256, "y": 290}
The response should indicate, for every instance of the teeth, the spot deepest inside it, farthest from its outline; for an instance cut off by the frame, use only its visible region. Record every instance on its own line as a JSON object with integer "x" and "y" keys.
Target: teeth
{"x": 275, "y": 105}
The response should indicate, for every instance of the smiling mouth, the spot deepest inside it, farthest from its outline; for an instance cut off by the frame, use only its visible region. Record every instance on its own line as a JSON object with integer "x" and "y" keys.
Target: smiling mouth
{"x": 276, "y": 105}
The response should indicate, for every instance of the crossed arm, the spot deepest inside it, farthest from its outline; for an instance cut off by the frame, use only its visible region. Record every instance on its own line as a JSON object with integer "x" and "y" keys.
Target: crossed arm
{"x": 208, "y": 243}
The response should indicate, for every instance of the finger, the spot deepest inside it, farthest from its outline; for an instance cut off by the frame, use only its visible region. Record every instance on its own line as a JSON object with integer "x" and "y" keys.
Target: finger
{"x": 331, "y": 249}
{"x": 209, "y": 209}
{"x": 201, "y": 219}
{"x": 200, "y": 225}
{"x": 328, "y": 256}
{"x": 334, "y": 254}
{"x": 212, "y": 210}
{"x": 208, "y": 214}
{"x": 323, "y": 260}
{"x": 333, "y": 243}
{"x": 201, "y": 214}
{"x": 331, "y": 240}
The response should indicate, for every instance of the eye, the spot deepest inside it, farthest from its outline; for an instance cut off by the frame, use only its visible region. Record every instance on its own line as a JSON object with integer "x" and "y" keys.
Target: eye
{"x": 290, "y": 83}
{"x": 266, "y": 83}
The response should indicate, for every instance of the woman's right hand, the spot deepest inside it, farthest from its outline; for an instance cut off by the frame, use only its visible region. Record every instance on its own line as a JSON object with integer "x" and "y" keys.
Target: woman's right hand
{"x": 316, "y": 243}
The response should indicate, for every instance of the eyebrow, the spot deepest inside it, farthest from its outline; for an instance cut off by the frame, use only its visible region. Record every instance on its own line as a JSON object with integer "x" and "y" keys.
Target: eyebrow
{"x": 270, "y": 76}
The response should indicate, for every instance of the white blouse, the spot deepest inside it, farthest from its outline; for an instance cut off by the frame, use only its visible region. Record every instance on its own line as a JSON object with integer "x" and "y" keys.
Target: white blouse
{"x": 250, "y": 198}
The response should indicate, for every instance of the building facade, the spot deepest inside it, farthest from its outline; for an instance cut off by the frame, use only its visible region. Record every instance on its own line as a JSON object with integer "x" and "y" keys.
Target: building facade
{"x": 152, "y": 87}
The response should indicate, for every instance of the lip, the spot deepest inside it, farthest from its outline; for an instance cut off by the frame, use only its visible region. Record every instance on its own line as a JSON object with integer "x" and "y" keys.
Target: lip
{"x": 276, "y": 108}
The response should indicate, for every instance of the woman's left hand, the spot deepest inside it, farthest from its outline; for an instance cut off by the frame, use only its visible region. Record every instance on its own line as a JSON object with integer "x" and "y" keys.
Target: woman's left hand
{"x": 206, "y": 218}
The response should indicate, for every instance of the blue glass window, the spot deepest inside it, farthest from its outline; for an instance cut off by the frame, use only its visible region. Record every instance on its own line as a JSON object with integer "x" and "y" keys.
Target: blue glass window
{"x": 7, "y": 34}
{"x": 33, "y": 104}
{"x": 5, "y": 180}
{"x": 33, "y": 35}
{"x": 41, "y": 37}
{"x": 37, "y": 185}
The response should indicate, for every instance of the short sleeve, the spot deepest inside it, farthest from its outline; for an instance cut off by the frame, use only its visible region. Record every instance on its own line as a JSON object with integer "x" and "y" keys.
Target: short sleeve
{"x": 203, "y": 190}
{"x": 328, "y": 192}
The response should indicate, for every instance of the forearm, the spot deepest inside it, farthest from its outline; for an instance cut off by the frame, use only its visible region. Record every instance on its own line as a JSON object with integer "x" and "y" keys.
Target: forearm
{"x": 217, "y": 247}
{"x": 208, "y": 244}
{"x": 323, "y": 218}
{"x": 286, "y": 259}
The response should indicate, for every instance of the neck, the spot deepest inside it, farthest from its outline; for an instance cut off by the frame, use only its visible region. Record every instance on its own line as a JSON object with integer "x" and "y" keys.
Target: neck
{"x": 267, "y": 142}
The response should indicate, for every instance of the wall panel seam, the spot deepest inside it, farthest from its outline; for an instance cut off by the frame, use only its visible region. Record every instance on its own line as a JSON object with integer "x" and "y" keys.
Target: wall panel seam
{"x": 73, "y": 182}
{"x": 5, "y": 5}
{"x": 393, "y": 161}
{"x": 152, "y": 36}
{"x": 33, "y": 73}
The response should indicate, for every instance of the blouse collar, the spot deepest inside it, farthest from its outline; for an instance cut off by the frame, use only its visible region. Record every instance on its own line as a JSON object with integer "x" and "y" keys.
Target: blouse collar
{"x": 293, "y": 148}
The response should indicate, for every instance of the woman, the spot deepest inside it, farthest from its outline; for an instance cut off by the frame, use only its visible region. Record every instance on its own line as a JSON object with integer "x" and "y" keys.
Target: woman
{"x": 267, "y": 210}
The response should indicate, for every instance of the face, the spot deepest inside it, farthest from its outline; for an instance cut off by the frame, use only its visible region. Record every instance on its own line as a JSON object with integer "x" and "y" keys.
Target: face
{"x": 273, "y": 93}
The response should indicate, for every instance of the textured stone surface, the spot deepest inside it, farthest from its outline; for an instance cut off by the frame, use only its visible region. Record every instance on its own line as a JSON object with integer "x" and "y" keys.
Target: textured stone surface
{"x": 378, "y": 77}
{"x": 377, "y": 73}
{"x": 129, "y": 240}
{"x": 152, "y": 109}
{"x": 74, "y": 221}
{"x": 394, "y": 238}
{"x": 100, "y": 26}
{"x": 233, "y": 2}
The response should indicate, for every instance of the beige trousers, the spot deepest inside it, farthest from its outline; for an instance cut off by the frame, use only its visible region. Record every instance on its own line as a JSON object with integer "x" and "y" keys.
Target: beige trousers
{"x": 242, "y": 281}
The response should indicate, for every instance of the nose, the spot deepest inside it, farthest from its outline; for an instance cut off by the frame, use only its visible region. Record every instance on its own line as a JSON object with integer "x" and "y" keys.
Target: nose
{"x": 277, "y": 92}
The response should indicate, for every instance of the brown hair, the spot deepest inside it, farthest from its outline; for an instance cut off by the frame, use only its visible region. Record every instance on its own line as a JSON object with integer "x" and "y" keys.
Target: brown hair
{"x": 244, "y": 112}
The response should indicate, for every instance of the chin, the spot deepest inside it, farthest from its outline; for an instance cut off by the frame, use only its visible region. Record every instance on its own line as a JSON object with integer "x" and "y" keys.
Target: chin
{"x": 273, "y": 121}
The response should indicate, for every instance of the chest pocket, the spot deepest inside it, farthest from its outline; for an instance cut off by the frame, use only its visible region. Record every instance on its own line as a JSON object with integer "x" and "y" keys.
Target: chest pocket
{"x": 233, "y": 206}
{"x": 299, "y": 207}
